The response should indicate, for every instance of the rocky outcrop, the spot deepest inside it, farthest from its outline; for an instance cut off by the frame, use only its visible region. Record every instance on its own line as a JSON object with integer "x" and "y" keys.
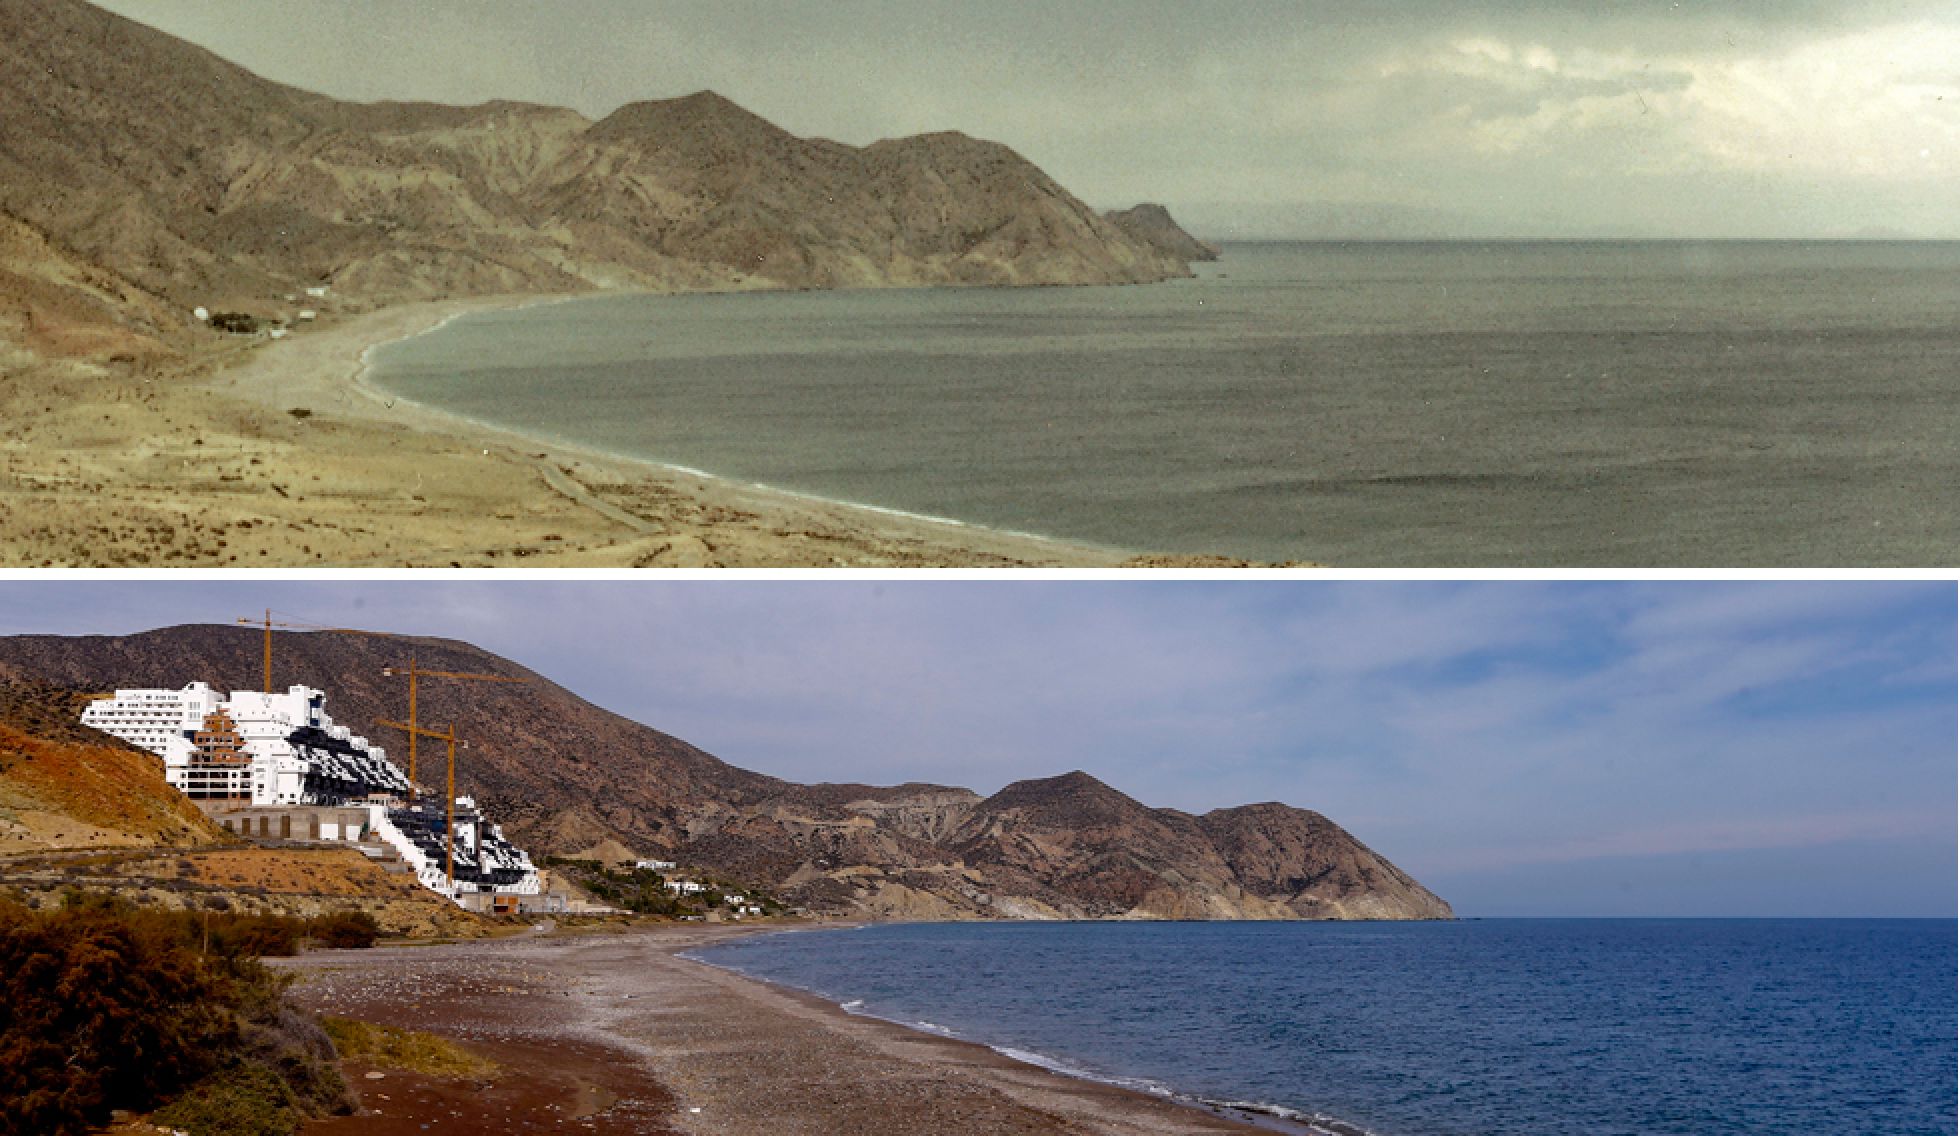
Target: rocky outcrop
{"x": 1152, "y": 225}
{"x": 571, "y": 777}
{"x": 146, "y": 176}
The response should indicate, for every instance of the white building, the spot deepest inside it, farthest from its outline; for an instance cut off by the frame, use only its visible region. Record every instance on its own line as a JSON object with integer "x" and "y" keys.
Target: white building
{"x": 654, "y": 865}
{"x": 284, "y": 752}
{"x": 161, "y": 721}
{"x": 297, "y": 754}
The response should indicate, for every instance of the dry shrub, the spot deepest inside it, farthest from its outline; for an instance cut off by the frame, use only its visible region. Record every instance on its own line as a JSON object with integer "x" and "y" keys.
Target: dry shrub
{"x": 104, "y": 1007}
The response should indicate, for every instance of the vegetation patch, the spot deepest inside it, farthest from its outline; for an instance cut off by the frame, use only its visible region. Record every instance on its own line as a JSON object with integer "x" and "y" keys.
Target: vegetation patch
{"x": 644, "y": 891}
{"x": 388, "y": 1047}
{"x": 103, "y": 1007}
{"x": 248, "y": 1099}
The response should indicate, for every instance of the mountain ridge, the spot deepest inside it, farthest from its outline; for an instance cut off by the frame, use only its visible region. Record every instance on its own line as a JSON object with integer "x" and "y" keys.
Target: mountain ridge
{"x": 565, "y": 775}
{"x": 182, "y": 179}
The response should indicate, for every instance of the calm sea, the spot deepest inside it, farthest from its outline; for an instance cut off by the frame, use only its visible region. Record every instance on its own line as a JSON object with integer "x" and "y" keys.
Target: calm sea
{"x": 1453, "y": 404}
{"x": 1580, "y": 1027}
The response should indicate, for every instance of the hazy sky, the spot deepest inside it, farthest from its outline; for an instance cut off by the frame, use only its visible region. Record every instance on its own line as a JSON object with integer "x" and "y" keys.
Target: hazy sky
{"x": 1524, "y": 748}
{"x": 1257, "y": 117}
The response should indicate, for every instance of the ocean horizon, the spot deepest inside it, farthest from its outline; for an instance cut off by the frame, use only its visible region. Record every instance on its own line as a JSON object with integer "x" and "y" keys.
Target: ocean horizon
{"x": 1547, "y": 1025}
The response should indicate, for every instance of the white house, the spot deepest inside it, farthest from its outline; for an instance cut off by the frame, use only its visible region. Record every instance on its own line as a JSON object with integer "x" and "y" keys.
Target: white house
{"x": 654, "y": 865}
{"x": 686, "y": 887}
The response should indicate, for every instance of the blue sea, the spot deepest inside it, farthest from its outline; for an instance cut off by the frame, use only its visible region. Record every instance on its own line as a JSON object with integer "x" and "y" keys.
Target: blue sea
{"x": 1593, "y": 1027}
{"x": 1549, "y": 403}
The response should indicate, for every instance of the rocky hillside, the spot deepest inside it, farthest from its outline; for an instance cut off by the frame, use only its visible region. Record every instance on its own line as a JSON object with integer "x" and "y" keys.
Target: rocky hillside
{"x": 567, "y": 776}
{"x": 1153, "y": 226}
{"x": 141, "y": 176}
{"x": 64, "y": 786}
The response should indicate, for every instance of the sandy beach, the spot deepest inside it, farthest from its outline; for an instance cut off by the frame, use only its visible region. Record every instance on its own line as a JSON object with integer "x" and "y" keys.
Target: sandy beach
{"x": 276, "y": 454}
{"x": 613, "y": 1033}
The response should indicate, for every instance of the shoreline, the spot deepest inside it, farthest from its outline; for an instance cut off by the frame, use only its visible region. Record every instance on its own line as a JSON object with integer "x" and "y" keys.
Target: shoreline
{"x": 703, "y": 1050}
{"x": 282, "y": 454}
{"x": 362, "y": 382}
{"x": 273, "y": 377}
{"x": 1250, "y": 1114}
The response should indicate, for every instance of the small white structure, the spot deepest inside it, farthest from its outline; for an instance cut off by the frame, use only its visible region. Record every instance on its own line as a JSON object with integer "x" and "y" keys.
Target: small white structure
{"x": 654, "y": 865}
{"x": 686, "y": 887}
{"x": 278, "y": 333}
{"x": 203, "y": 314}
{"x": 318, "y": 291}
{"x": 308, "y": 315}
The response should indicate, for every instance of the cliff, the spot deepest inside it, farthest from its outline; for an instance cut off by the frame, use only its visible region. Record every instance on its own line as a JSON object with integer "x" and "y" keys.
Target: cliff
{"x": 568, "y": 776}
{"x": 141, "y": 176}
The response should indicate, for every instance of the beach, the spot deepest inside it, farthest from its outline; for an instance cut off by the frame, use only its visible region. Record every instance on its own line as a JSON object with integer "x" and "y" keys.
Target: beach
{"x": 259, "y": 454}
{"x": 614, "y": 1033}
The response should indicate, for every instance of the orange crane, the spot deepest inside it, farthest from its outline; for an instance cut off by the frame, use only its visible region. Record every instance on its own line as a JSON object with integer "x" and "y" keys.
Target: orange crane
{"x": 268, "y": 623}
{"x": 414, "y": 672}
{"x": 412, "y": 727}
{"x": 411, "y": 670}
{"x": 449, "y": 798}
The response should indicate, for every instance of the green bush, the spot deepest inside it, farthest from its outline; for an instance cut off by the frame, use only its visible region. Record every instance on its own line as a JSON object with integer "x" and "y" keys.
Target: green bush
{"x": 245, "y": 1100}
{"x": 344, "y": 929}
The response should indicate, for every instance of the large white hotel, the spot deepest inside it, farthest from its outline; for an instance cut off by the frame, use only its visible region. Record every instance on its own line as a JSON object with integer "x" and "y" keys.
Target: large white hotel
{"x": 268, "y": 749}
{"x": 258, "y": 751}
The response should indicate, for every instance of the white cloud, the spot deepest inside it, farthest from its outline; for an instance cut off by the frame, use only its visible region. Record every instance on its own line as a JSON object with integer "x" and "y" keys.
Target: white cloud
{"x": 1881, "y": 104}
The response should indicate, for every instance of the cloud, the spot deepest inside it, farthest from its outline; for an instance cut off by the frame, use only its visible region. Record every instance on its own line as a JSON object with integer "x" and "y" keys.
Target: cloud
{"x": 1550, "y": 118}
{"x": 1459, "y": 728}
{"x": 1879, "y": 105}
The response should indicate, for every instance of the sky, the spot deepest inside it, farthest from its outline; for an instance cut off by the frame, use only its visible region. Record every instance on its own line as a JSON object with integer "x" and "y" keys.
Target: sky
{"x": 1258, "y": 118}
{"x": 1523, "y": 748}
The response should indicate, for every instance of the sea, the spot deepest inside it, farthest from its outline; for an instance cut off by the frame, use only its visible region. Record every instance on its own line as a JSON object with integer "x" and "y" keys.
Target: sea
{"x": 1548, "y": 1027}
{"x": 1529, "y": 403}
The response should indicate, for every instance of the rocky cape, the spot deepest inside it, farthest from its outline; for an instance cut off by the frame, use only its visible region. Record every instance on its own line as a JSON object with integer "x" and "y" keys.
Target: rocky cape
{"x": 142, "y": 176}
{"x": 567, "y": 777}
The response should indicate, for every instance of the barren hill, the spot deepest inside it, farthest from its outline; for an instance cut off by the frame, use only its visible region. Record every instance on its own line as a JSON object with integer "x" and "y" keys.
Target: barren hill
{"x": 1152, "y": 224}
{"x": 567, "y": 775}
{"x": 64, "y": 786}
{"x": 141, "y": 176}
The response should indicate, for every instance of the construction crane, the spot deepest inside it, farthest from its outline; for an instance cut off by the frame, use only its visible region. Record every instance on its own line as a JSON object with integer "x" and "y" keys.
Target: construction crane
{"x": 268, "y": 623}
{"x": 449, "y": 798}
{"x": 414, "y": 672}
{"x": 411, "y": 670}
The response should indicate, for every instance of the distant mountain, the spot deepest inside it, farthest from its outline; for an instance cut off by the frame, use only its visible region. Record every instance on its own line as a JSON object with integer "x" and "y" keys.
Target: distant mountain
{"x": 141, "y": 176}
{"x": 567, "y": 776}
